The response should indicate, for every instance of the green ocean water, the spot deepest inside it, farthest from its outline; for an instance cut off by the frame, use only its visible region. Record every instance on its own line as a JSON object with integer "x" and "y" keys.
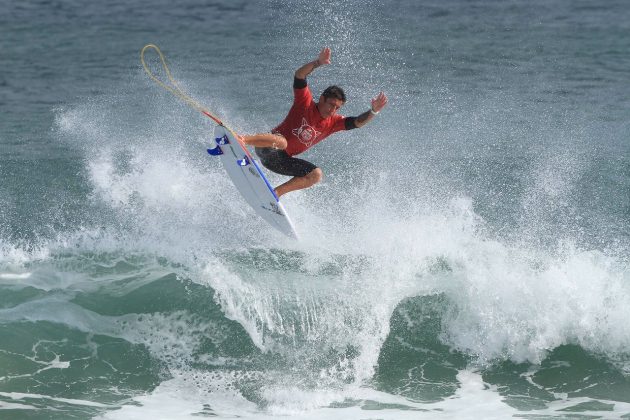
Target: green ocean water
{"x": 466, "y": 255}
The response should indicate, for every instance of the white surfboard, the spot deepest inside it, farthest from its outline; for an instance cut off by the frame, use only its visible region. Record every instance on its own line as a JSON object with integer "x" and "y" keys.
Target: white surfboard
{"x": 246, "y": 175}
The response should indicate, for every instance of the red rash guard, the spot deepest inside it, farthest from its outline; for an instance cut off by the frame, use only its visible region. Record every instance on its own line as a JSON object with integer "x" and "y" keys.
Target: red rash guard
{"x": 304, "y": 127}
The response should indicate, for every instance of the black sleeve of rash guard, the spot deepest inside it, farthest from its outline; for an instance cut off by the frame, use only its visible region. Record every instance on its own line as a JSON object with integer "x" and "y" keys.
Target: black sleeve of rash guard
{"x": 349, "y": 121}
{"x": 299, "y": 83}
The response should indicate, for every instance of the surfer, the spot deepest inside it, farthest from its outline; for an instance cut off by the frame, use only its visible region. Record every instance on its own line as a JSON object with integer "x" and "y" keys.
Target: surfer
{"x": 306, "y": 124}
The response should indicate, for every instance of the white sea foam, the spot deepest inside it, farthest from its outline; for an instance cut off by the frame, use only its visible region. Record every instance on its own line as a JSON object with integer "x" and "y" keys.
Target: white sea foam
{"x": 507, "y": 301}
{"x": 162, "y": 334}
{"x": 519, "y": 304}
{"x": 13, "y": 406}
{"x": 14, "y": 257}
{"x": 24, "y": 396}
{"x": 192, "y": 394}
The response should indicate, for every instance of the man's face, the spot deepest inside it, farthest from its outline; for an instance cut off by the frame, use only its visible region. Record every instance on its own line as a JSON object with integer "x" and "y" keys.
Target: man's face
{"x": 329, "y": 106}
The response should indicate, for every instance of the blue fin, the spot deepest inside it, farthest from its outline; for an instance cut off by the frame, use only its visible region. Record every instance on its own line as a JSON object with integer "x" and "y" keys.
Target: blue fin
{"x": 243, "y": 162}
{"x": 222, "y": 140}
{"x": 215, "y": 152}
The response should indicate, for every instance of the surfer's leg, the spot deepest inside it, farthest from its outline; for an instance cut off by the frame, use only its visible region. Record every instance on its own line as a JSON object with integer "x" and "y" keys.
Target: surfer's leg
{"x": 275, "y": 141}
{"x": 300, "y": 182}
{"x": 304, "y": 173}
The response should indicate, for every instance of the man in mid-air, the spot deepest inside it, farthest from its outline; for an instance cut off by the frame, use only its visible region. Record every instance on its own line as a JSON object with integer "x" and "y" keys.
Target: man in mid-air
{"x": 306, "y": 124}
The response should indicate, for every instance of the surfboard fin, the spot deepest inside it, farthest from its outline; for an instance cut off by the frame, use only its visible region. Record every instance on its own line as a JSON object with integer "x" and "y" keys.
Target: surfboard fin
{"x": 222, "y": 140}
{"x": 243, "y": 162}
{"x": 215, "y": 152}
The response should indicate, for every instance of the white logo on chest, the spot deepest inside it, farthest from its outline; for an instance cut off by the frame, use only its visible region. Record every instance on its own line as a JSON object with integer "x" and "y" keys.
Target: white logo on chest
{"x": 306, "y": 134}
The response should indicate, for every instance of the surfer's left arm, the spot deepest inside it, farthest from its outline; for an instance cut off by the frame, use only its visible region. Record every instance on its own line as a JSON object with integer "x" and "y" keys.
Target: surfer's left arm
{"x": 378, "y": 103}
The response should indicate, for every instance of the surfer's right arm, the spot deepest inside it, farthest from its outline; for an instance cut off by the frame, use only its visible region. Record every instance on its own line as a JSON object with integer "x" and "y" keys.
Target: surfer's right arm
{"x": 323, "y": 59}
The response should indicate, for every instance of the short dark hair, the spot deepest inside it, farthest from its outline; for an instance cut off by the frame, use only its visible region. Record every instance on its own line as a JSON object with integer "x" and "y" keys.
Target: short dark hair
{"x": 334, "y": 92}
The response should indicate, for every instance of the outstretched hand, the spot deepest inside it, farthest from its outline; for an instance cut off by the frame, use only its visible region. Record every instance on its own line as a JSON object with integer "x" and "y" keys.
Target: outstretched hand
{"x": 379, "y": 102}
{"x": 324, "y": 57}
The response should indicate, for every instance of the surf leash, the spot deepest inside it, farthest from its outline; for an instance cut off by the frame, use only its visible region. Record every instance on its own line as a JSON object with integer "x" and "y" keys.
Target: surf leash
{"x": 174, "y": 87}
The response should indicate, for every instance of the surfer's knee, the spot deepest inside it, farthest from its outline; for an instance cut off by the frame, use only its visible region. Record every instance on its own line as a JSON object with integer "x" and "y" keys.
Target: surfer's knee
{"x": 315, "y": 176}
{"x": 279, "y": 142}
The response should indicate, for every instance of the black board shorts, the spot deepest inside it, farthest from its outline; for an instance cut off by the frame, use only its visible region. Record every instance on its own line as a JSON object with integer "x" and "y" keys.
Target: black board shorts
{"x": 280, "y": 162}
